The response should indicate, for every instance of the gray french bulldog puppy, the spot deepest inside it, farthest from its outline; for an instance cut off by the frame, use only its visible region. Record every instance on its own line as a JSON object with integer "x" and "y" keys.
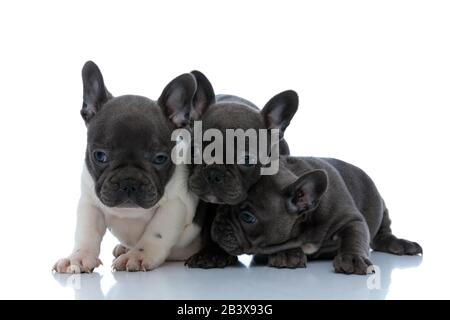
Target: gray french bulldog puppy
{"x": 129, "y": 183}
{"x": 228, "y": 183}
{"x": 315, "y": 207}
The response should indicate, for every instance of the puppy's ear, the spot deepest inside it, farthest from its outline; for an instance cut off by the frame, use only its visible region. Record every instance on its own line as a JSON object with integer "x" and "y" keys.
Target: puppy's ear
{"x": 204, "y": 96}
{"x": 304, "y": 194}
{"x": 95, "y": 93}
{"x": 176, "y": 99}
{"x": 279, "y": 111}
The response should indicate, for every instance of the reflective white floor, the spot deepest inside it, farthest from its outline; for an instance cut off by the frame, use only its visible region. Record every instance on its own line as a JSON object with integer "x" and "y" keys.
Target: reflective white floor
{"x": 397, "y": 278}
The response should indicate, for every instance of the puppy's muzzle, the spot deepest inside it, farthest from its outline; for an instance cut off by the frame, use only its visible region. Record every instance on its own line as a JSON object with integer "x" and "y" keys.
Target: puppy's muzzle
{"x": 214, "y": 176}
{"x": 224, "y": 187}
{"x": 130, "y": 186}
{"x": 129, "y": 190}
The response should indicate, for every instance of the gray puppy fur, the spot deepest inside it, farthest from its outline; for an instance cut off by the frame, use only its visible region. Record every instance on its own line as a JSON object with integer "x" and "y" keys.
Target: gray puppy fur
{"x": 228, "y": 183}
{"x": 315, "y": 207}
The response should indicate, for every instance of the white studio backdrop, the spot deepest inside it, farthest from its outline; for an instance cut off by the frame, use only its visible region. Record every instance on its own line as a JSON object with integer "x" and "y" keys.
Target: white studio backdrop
{"x": 373, "y": 79}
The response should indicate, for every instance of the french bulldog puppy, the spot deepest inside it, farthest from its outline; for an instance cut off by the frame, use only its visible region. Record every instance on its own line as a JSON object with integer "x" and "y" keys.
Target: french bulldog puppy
{"x": 129, "y": 184}
{"x": 228, "y": 183}
{"x": 315, "y": 207}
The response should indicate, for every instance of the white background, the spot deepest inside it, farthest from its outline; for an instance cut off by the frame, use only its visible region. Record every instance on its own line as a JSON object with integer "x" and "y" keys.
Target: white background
{"x": 373, "y": 79}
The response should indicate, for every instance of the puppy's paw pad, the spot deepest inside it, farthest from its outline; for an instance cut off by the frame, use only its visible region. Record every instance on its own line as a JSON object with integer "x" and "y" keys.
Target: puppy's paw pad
{"x": 352, "y": 264}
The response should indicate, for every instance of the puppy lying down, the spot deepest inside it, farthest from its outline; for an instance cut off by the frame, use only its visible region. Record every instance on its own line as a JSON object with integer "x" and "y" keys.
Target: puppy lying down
{"x": 315, "y": 208}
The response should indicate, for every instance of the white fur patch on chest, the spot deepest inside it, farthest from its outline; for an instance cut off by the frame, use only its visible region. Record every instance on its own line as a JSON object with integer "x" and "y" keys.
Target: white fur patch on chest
{"x": 128, "y": 224}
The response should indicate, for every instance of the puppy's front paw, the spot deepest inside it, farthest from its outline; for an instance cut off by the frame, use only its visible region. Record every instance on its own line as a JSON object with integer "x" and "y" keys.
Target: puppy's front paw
{"x": 350, "y": 263}
{"x": 77, "y": 262}
{"x": 210, "y": 259}
{"x": 294, "y": 258}
{"x": 139, "y": 260}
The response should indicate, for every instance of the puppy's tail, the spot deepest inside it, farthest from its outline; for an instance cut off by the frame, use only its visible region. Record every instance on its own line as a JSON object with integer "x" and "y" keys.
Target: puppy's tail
{"x": 385, "y": 241}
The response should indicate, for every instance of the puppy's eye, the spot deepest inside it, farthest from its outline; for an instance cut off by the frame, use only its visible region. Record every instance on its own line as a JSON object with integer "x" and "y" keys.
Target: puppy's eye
{"x": 100, "y": 156}
{"x": 247, "y": 217}
{"x": 160, "y": 159}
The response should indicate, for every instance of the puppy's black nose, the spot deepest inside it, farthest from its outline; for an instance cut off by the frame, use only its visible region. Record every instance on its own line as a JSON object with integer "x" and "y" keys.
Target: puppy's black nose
{"x": 129, "y": 186}
{"x": 215, "y": 176}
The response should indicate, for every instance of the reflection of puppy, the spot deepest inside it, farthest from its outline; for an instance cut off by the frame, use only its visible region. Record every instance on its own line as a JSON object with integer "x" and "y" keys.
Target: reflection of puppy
{"x": 228, "y": 183}
{"x": 129, "y": 183}
{"x": 85, "y": 287}
{"x": 323, "y": 208}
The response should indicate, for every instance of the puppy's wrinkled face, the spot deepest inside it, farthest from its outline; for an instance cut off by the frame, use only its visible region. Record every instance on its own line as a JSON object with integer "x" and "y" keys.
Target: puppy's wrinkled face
{"x": 129, "y": 139}
{"x": 269, "y": 218}
{"x": 227, "y": 183}
{"x": 128, "y": 152}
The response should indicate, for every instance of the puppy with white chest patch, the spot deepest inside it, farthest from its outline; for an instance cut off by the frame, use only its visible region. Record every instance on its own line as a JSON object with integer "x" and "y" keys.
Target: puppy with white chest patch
{"x": 129, "y": 183}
